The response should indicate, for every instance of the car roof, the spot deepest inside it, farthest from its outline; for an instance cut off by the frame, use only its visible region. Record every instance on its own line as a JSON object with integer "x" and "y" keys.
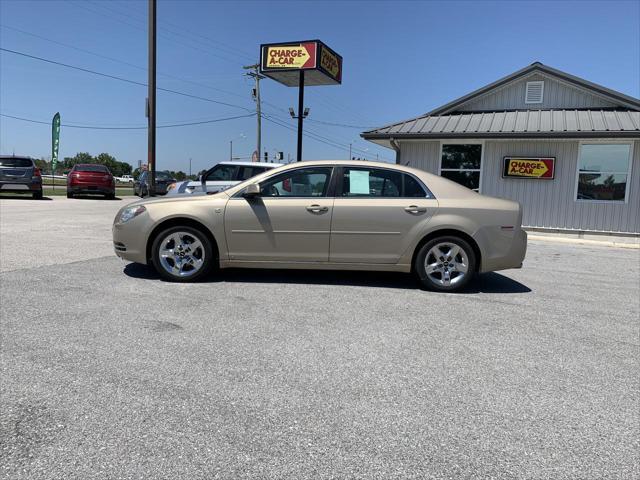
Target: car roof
{"x": 252, "y": 164}
{"x": 439, "y": 186}
{"x": 16, "y": 156}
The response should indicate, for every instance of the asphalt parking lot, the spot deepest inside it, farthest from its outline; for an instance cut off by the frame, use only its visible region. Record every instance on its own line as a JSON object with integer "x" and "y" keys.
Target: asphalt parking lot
{"x": 108, "y": 372}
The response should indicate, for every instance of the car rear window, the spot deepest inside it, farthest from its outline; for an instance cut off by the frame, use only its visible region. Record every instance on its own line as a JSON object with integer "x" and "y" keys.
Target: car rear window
{"x": 16, "y": 162}
{"x": 91, "y": 168}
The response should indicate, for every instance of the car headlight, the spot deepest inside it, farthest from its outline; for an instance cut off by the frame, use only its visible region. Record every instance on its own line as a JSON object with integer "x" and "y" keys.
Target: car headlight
{"x": 131, "y": 212}
{"x": 171, "y": 186}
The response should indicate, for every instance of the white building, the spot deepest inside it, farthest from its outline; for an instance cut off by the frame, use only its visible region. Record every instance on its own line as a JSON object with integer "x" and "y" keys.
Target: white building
{"x": 567, "y": 149}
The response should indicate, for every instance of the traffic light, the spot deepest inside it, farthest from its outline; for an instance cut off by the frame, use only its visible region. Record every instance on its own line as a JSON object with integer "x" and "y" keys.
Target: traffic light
{"x": 279, "y": 156}
{"x": 266, "y": 156}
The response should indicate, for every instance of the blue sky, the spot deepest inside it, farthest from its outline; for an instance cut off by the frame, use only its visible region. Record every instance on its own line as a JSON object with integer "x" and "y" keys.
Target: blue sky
{"x": 401, "y": 59}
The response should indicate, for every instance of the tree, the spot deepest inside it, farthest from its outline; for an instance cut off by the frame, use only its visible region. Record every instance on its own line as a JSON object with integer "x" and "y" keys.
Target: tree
{"x": 81, "y": 157}
{"x": 43, "y": 165}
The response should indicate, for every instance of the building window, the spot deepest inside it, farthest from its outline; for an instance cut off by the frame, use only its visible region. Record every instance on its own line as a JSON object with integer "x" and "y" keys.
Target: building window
{"x": 461, "y": 163}
{"x": 603, "y": 170}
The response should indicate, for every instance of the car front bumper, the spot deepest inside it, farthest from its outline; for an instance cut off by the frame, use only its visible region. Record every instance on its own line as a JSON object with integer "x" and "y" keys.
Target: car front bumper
{"x": 129, "y": 243}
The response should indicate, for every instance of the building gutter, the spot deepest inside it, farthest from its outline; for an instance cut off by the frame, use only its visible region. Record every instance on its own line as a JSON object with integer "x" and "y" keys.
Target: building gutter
{"x": 396, "y": 146}
{"x": 543, "y": 135}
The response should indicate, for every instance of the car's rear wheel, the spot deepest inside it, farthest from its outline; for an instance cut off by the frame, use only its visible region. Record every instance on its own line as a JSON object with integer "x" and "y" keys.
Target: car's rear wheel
{"x": 182, "y": 254}
{"x": 37, "y": 195}
{"x": 69, "y": 195}
{"x": 445, "y": 264}
{"x": 110, "y": 196}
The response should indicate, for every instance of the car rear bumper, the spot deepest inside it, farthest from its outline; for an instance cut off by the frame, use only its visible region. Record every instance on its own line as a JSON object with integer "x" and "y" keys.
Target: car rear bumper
{"x": 88, "y": 189}
{"x": 505, "y": 251}
{"x": 20, "y": 186}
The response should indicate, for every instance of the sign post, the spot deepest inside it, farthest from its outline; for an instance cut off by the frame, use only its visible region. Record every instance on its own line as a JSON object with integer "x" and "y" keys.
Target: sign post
{"x": 300, "y": 115}
{"x": 300, "y": 64}
{"x": 55, "y": 143}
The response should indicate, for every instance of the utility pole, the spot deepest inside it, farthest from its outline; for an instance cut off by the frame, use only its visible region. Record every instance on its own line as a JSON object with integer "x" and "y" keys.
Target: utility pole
{"x": 256, "y": 96}
{"x": 349, "y": 151}
{"x": 231, "y": 150}
{"x": 151, "y": 100}
{"x": 189, "y": 166}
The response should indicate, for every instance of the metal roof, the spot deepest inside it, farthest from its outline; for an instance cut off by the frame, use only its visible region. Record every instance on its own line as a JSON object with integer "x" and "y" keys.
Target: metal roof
{"x": 623, "y": 100}
{"x": 511, "y": 124}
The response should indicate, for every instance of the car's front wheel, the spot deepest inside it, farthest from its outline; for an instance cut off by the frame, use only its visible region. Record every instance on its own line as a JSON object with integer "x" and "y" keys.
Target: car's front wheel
{"x": 182, "y": 254}
{"x": 445, "y": 264}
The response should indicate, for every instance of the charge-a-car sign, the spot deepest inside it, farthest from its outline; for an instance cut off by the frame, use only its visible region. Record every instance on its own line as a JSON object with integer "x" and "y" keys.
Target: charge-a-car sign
{"x": 308, "y": 61}
{"x": 528, "y": 167}
{"x": 302, "y": 55}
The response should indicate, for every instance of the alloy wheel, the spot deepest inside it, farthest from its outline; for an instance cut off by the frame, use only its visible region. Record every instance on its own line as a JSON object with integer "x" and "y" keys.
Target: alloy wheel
{"x": 181, "y": 254}
{"x": 446, "y": 264}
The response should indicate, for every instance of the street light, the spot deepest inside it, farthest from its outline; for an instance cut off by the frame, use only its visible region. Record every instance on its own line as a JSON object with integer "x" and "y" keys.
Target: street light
{"x": 241, "y": 136}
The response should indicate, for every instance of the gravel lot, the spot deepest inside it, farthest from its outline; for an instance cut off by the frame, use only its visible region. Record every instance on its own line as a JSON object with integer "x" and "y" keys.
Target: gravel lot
{"x": 108, "y": 372}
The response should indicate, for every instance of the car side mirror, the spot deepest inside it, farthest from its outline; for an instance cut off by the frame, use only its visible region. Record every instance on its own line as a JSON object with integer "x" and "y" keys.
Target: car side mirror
{"x": 203, "y": 182}
{"x": 252, "y": 190}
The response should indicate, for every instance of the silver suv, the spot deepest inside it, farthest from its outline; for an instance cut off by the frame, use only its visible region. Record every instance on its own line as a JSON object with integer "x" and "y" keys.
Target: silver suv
{"x": 20, "y": 175}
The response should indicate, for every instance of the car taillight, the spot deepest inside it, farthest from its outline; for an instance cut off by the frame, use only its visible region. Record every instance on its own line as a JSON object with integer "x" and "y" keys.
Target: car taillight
{"x": 36, "y": 172}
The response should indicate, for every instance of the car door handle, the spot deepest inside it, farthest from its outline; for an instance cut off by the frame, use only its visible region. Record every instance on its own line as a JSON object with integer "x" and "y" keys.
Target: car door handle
{"x": 317, "y": 209}
{"x": 415, "y": 209}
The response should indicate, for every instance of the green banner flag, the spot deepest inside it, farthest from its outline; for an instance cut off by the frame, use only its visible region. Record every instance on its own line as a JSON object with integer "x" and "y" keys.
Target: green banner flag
{"x": 55, "y": 142}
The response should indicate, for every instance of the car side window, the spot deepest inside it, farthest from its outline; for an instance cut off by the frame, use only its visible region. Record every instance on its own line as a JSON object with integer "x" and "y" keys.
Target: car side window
{"x": 247, "y": 172}
{"x": 222, "y": 173}
{"x": 371, "y": 182}
{"x": 412, "y": 188}
{"x": 301, "y": 182}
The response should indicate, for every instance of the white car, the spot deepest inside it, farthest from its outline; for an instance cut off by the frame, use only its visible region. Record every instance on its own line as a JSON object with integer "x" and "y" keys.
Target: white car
{"x": 224, "y": 175}
{"x": 125, "y": 179}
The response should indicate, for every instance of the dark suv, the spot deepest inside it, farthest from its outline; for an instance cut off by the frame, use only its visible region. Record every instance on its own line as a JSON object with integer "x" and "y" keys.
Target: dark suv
{"x": 20, "y": 175}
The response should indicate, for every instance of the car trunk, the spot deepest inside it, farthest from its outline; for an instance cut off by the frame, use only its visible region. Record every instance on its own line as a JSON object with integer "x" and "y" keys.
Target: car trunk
{"x": 16, "y": 169}
{"x": 93, "y": 178}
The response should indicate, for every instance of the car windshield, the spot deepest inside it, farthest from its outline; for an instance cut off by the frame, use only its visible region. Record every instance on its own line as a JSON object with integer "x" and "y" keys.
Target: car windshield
{"x": 164, "y": 175}
{"x": 91, "y": 168}
{"x": 16, "y": 162}
{"x": 222, "y": 172}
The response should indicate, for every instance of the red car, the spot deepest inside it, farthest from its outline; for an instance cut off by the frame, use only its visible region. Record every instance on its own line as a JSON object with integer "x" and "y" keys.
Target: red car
{"x": 88, "y": 178}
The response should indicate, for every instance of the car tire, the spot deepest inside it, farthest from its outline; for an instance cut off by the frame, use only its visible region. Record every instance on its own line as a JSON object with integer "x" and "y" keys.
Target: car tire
{"x": 37, "y": 195}
{"x": 182, "y": 265}
{"x": 69, "y": 194}
{"x": 110, "y": 196}
{"x": 445, "y": 264}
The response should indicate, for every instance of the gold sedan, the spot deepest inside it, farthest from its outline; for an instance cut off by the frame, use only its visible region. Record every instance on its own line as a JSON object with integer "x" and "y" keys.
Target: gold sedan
{"x": 333, "y": 215}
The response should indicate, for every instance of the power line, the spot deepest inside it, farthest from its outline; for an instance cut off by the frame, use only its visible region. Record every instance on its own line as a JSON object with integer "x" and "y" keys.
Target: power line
{"x": 122, "y": 79}
{"x": 339, "y": 124}
{"x": 93, "y": 127}
{"x": 99, "y": 55}
{"x": 317, "y": 137}
{"x": 137, "y": 27}
{"x": 182, "y": 32}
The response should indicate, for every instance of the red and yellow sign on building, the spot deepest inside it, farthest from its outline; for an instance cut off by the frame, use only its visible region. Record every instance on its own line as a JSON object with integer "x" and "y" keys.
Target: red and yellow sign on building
{"x": 284, "y": 61}
{"x": 527, "y": 167}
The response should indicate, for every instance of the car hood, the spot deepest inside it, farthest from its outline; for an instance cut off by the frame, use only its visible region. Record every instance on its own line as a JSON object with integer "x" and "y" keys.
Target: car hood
{"x": 180, "y": 198}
